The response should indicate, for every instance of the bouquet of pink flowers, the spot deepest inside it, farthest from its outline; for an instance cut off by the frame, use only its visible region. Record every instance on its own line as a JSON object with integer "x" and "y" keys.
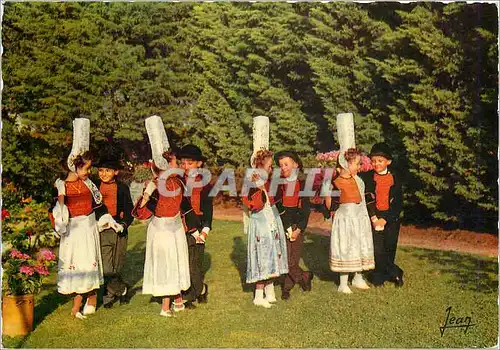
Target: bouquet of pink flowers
{"x": 328, "y": 160}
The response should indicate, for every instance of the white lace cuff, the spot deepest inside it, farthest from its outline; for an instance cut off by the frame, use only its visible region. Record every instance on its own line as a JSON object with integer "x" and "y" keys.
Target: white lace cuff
{"x": 61, "y": 218}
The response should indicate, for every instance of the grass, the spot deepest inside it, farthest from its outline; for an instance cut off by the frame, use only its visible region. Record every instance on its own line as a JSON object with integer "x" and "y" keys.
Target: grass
{"x": 323, "y": 318}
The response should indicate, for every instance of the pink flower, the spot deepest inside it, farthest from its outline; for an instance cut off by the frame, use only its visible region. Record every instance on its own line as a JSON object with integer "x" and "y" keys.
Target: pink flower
{"x": 28, "y": 270}
{"x": 332, "y": 156}
{"x": 47, "y": 254}
{"x": 16, "y": 254}
{"x": 42, "y": 270}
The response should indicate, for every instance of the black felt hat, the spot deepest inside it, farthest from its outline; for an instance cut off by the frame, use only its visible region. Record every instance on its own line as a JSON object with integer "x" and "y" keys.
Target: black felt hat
{"x": 191, "y": 152}
{"x": 110, "y": 163}
{"x": 381, "y": 149}
{"x": 290, "y": 154}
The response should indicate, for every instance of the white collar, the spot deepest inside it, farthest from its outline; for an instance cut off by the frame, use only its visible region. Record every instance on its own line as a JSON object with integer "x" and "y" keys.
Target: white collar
{"x": 384, "y": 172}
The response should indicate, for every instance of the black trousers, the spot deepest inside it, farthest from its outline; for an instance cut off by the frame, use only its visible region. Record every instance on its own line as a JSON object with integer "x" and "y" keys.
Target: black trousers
{"x": 384, "y": 245}
{"x": 295, "y": 272}
{"x": 196, "y": 252}
{"x": 113, "y": 250}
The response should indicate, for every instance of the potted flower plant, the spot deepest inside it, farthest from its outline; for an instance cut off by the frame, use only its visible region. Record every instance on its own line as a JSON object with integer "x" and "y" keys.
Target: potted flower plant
{"x": 27, "y": 237}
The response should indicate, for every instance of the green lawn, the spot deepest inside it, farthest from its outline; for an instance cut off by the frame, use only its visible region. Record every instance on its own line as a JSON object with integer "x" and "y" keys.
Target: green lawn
{"x": 323, "y": 318}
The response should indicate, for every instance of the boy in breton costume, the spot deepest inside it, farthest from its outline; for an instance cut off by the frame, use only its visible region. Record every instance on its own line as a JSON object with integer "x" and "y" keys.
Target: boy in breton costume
{"x": 294, "y": 212}
{"x": 117, "y": 199}
{"x": 386, "y": 186}
{"x": 200, "y": 218}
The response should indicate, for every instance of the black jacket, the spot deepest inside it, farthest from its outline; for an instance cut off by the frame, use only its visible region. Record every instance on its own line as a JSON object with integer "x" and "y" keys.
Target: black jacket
{"x": 395, "y": 196}
{"x": 293, "y": 217}
{"x": 206, "y": 207}
{"x": 124, "y": 206}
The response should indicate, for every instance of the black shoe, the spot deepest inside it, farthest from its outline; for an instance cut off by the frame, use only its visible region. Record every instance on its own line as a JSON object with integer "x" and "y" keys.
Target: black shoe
{"x": 378, "y": 284}
{"x": 398, "y": 281}
{"x": 108, "y": 305}
{"x": 124, "y": 299}
{"x": 306, "y": 285}
{"x": 204, "y": 297}
{"x": 285, "y": 295}
{"x": 189, "y": 305}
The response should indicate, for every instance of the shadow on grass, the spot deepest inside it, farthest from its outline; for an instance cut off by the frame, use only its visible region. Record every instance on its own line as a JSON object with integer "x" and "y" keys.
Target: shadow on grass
{"x": 469, "y": 272}
{"x": 239, "y": 259}
{"x": 133, "y": 269}
{"x": 48, "y": 304}
{"x": 315, "y": 255}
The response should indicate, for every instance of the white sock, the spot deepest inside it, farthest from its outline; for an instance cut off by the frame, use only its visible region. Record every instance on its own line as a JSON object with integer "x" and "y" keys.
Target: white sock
{"x": 269, "y": 290}
{"x": 88, "y": 309}
{"x": 343, "y": 287}
{"x": 259, "y": 299}
{"x": 259, "y": 294}
{"x": 359, "y": 282}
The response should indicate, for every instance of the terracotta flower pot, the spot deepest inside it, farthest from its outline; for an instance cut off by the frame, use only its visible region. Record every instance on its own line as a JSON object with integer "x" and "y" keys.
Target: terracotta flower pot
{"x": 17, "y": 314}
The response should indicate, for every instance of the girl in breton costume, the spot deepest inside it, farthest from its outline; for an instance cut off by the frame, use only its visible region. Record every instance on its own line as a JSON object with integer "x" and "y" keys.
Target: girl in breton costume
{"x": 74, "y": 216}
{"x": 166, "y": 268}
{"x": 266, "y": 252}
{"x": 351, "y": 246}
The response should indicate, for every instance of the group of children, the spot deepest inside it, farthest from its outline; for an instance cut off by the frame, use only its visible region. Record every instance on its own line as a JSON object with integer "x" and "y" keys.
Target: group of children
{"x": 364, "y": 233}
{"x": 92, "y": 219}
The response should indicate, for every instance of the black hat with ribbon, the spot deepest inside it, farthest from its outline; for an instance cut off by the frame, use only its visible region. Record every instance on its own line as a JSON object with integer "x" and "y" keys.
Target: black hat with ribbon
{"x": 381, "y": 149}
{"x": 191, "y": 152}
{"x": 290, "y": 154}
